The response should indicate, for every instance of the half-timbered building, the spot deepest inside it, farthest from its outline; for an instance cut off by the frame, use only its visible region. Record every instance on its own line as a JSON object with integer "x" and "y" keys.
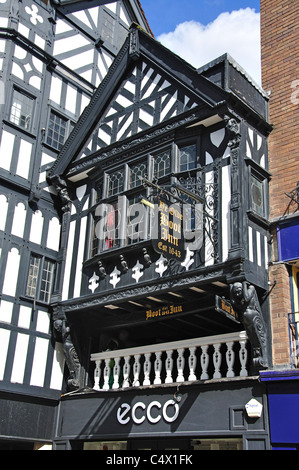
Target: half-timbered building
{"x": 135, "y": 241}
{"x": 53, "y": 56}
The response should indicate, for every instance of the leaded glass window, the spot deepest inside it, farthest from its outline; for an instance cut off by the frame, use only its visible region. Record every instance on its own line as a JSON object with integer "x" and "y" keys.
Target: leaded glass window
{"x": 110, "y": 233}
{"x": 187, "y": 158}
{"x": 47, "y": 275}
{"x": 33, "y": 276}
{"x": 136, "y": 219}
{"x": 137, "y": 172}
{"x": 162, "y": 164}
{"x": 21, "y": 112}
{"x": 57, "y": 130}
{"x": 115, "y": 183}
{"x": 40, "y": 278}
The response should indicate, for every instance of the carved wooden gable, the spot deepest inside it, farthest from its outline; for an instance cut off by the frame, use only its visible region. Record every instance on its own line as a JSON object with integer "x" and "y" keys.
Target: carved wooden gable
{"x": 146, "y": 86}
{"x": 145, "y": 98}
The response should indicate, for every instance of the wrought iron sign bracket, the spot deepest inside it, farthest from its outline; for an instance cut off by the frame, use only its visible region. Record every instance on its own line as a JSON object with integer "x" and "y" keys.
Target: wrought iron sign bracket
{"x": 186, "y": 192}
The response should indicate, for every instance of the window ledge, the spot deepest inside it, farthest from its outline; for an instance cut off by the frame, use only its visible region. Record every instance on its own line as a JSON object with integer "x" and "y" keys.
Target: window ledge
{"x": 258, "y": 219}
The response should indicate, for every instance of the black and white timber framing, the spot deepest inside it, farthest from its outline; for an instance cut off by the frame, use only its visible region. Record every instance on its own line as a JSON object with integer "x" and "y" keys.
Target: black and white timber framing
{"x": 153, "y": 102}
{"x": 89, "y": 101}
{"x": 52, "y": 57}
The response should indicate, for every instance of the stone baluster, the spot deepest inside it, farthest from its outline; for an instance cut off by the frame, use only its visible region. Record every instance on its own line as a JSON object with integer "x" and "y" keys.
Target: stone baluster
{"x": 230, "y": 359}
{"x": 116, "y": 373}
{"x": 147, "y": 369}
{"x": 136, "y": 370}
{"x": 97, "y": 375}
{"x": 204, "y": 362}
{"x": 107, "y": 370}
{"x": 158, "y": 368}
{"x": 192, "y": 361}
{"x": 217, "y": 359}
{"x": 126, "y": 372}
{"x": 180, "y": 365}
{"x": 243, "y": 358}
{"x": 169, "y": 367}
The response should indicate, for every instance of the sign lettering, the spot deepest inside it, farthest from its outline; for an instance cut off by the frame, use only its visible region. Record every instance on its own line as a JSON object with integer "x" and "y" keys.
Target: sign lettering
{"x": 140, "y": 412}
{"x": 224, "y": 306}
{"x": 166, "y": 310}
{"x": 168, "y": 236}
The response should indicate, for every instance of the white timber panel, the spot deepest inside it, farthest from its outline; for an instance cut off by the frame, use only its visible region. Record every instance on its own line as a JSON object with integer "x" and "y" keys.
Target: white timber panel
{"x": 20, "y": 356}
{"x": 11, "y": 272}
{"x": 6, "y": 311}
{"x": 3, "y": 211}
{"x": 57, "y": 368}
{"x": 39, "y": 362}
{"x": 24, "y": 159}
{"x": 19, "y": 220}
{"x": 6, "y": 149}
{"x": 53, "y": 237}
{"x": 36, "y": 227}
{"x": 4, "y": 341}
{"x": 225, "y": 210}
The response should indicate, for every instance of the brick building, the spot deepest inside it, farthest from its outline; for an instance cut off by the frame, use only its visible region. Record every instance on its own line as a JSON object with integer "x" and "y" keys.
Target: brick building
{"x": 280, "y": 74}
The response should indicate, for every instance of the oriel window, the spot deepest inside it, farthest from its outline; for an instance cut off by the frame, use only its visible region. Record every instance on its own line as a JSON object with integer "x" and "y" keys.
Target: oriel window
{"x": 21, "y": 112}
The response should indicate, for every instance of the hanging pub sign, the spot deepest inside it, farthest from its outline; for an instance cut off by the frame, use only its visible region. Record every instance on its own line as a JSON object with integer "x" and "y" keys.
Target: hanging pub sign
{"x": 168, "y": 230}
{"x": 224, "y": 306}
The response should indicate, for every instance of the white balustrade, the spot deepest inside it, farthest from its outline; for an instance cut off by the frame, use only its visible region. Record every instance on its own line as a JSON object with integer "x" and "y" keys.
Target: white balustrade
{"x": 213, "y": 357}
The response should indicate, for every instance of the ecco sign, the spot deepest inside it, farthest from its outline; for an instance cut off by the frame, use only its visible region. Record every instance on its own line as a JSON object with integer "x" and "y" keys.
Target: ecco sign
{"x": 153, "y": 412}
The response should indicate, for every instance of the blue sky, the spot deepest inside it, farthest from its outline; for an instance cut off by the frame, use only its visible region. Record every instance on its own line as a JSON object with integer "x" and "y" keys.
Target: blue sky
{"x": 201, "y": 30}
{"x": 164, "y": 15}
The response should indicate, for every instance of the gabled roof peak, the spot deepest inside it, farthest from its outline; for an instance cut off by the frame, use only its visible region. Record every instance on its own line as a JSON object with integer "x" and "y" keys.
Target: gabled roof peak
{"x": 145, "y": 86}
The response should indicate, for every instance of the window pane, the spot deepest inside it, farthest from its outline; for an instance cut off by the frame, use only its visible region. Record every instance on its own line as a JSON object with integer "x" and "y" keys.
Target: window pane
{"x": 21, "y": 110}
{"x": 94, "y": 241}
{"x": 111, "y": 227}
{"x": 57, "y": 128}
{"x": 136, "y": 219}
{"x": 257, "y": 196}
{"x": 162, "y": 164}
{"x": 115, "y": 183}
{"x": 137, "y": 172}
{"x": 188, "y": 158}
{"x": 32, "y": 276}
{"x": 46, "y": 281}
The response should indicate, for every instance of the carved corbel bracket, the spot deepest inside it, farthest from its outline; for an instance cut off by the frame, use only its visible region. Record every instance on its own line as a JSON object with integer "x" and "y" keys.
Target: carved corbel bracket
{"x": 62, "y": 191}
{"x": 234, "y": 132}
{"x": 62, "y": 334}
{"x": 245, "y": 301}
{"x": 134, "y": 51}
